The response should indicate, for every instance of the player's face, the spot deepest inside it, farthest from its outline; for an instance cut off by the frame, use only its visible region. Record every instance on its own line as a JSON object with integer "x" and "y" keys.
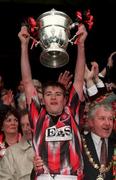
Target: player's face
{"x": 54, "y": 100}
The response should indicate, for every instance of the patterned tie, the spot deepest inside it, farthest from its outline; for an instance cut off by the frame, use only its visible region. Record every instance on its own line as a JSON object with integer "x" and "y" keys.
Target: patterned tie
{"x": 103, "y": 155}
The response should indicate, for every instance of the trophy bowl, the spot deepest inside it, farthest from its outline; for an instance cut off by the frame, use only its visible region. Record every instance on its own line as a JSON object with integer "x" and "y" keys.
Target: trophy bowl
{"x": 54, "y": 33}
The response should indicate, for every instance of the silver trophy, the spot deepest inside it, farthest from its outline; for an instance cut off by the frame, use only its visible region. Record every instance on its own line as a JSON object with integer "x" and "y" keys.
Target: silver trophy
{"x": 54, "y": 32}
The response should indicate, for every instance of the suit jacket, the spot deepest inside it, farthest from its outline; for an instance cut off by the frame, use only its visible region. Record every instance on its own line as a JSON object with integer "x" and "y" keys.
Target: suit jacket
{"x": 90, "y": 173}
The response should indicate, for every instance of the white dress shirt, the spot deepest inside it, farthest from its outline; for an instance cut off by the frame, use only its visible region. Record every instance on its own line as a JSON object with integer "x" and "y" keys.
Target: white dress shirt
{"x": 98, "y": 142}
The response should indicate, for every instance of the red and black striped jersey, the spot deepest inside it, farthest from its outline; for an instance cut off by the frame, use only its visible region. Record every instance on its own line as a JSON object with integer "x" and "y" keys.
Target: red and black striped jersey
{"x": 59, "y": 145}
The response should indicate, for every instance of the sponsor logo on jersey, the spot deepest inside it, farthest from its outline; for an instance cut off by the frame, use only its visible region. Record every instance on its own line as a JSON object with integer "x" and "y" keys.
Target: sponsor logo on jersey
{"x": 58, "y": 134}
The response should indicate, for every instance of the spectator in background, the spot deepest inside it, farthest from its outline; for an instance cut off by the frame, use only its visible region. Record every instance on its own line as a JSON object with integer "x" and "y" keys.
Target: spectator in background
{"x": 96, "y": 88}
{"x": 20, "y": 94}
{"x": 9, "y": 128}
{"x": 100, "y": 120}
{"x": 17, "y": 163}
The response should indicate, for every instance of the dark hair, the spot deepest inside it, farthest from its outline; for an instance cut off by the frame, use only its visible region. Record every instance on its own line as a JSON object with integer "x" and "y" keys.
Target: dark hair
{"x": 22, "y": 113}
{"x": 5, "y": 111}
{"x": 53, "y": 84}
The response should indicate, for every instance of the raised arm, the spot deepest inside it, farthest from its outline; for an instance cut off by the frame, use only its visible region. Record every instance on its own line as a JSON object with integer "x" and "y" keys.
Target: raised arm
{"x": 89, "y": 76}
{"x": 80, "y": 62}
{"x": 109, "y": 65}
{"x": 25, "y": 65}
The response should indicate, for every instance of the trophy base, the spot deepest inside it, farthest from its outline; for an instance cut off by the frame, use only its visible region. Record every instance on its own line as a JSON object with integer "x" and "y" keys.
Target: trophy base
{"x": 54, "y": 58}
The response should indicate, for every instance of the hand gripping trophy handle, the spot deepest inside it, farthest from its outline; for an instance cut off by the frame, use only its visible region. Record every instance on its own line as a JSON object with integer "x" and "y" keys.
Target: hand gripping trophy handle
{"x": 72, "y": 26}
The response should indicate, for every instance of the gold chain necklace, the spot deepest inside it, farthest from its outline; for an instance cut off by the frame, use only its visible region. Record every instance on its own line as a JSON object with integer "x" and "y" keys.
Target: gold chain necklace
{"x": 101, "y": 168}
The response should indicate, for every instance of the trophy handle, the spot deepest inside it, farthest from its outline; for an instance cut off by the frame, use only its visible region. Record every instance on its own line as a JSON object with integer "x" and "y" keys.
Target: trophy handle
{"x": 72, "y": 26}
{"x": 72, "y": 40}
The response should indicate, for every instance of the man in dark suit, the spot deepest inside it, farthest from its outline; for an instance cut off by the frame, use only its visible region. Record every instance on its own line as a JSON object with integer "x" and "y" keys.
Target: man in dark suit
{"x": 96, "y": 165}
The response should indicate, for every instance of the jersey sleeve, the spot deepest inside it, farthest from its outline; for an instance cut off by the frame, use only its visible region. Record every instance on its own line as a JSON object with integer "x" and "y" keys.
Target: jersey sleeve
{"x": 74, "y": 104}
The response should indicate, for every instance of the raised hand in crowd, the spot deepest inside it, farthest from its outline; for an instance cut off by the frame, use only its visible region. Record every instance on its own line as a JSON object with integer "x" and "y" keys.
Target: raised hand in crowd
{"x": 110, "y": 60}
{"x": 65, "y": 79}
{"x": 7, "y": 97}
{"x": 109, "y": 65}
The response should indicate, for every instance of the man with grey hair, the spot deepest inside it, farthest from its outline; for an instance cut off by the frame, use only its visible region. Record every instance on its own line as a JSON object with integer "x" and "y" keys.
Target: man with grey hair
{"x": 98, "y": 147}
